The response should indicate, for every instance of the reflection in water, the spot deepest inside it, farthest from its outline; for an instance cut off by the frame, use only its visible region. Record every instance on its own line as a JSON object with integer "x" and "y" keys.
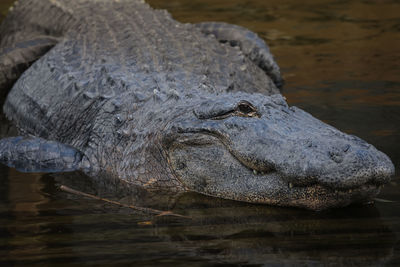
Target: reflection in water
{"x": 275, "y": 236}
{"x": 22, "y": 210}
{"x": 341, "y": 62}
{"x": 70, "y": 228}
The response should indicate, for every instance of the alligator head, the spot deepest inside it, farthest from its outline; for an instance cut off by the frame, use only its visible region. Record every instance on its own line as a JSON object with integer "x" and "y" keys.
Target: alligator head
{"x": 255, "y": 148}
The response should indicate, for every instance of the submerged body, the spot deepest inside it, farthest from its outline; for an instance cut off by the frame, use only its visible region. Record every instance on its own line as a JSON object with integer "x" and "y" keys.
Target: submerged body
{"x": 124, "y": 90}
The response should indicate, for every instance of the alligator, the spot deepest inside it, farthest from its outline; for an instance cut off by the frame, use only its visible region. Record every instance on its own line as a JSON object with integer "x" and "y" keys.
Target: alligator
{"x": 118, "y": 90}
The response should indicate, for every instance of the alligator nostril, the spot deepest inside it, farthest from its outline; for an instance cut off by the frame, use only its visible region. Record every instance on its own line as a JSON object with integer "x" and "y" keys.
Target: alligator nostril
{"x": 180, "y": 165}
{"x": 336, "y": 156}
{"x": 308, "y": 143}
{"x": 346, "y": 148}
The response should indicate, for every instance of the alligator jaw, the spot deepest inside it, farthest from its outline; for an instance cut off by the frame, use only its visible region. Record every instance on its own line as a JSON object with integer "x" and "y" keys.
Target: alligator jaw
{"x": 248, "y": 184}
{"x": 315, "y": 196}
{"x": 328, "y": 197}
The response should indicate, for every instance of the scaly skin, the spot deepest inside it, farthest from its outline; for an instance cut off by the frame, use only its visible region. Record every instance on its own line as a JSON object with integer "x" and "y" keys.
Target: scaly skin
{"x": 159, "y": 104}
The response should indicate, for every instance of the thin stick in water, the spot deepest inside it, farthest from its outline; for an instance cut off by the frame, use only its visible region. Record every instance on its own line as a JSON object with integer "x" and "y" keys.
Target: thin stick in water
{"x": 146, "y": 210}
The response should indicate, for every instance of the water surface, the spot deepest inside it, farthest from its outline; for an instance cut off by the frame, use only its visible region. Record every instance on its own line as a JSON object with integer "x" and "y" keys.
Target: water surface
{"x": 341, "y": 62}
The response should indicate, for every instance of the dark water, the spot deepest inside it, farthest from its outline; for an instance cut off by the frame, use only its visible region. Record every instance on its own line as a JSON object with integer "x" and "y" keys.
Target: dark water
{"x": 341, "y": 62}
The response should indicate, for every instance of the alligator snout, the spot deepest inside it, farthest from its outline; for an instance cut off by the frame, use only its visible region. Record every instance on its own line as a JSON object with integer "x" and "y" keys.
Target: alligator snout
{"x": 304, "y": 150}
{"x": 349, "y": 162}
{"x": 356, "y": 165}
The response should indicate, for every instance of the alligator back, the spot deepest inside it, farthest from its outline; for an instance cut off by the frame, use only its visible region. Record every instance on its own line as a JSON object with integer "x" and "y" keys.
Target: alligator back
{"x": 110, "y": 49}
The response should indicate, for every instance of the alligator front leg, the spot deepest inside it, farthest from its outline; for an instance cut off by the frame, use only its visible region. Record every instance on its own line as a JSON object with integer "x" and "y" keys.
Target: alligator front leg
{"x": 251, "y": 45}
{"x": 32, "y": 154}
{"x": 17, "y": 57}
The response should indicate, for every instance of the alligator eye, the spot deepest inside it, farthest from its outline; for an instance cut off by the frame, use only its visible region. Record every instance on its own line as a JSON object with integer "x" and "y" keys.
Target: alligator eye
{"x": 246, "y": 109}
{"x": 222, "y": 110}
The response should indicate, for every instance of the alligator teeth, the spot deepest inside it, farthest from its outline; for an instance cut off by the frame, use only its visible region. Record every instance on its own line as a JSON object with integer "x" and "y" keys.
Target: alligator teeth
{"x": 255, "y": 172}
{"x": 290, "y": 185}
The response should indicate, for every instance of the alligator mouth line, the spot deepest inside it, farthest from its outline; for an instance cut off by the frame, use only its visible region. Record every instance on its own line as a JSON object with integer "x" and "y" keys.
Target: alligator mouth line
{"x": 210, "y": 138}
{"x": 330, "y": 190}
{"x": 338, "y": 191}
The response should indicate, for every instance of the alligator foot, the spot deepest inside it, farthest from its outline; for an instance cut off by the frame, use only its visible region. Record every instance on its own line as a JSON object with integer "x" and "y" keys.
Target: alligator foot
{"x": 251, "y": 45}
{"x": 32, "y": 154}
{"x": 18, "y": 56}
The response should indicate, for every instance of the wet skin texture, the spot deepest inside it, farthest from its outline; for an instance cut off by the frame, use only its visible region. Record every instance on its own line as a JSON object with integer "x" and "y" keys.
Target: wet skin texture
{"x": 120, "y": 89}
